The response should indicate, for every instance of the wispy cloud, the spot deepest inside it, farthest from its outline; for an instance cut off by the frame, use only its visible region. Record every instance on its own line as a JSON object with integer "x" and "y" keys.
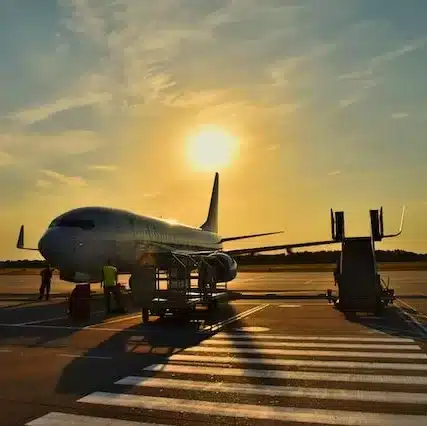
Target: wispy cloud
{"x": 6, "y": 159}
{"x": 274, "y": 147}
{"x": 103, "y": 167}
{"x": 67, "y": 180}
{"x": 42, "y": 112}
{"x": 344, "y": 103}
{"x": 399, "y": 115}
{"x": 334, "y": 173}
{"x": 43, "y": 183}
{"x": 151, "y": 194}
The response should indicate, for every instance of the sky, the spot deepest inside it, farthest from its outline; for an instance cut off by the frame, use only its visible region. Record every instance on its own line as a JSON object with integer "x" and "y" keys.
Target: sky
{"x": 326, "y": 103}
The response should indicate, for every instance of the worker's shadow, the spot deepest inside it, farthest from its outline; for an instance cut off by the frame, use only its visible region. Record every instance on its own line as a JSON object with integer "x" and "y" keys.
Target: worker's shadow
{"x": 128, "y": 352}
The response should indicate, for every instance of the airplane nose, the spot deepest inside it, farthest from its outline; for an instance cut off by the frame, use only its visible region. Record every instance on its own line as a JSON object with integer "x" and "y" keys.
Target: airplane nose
{"x": 56, "y": 247}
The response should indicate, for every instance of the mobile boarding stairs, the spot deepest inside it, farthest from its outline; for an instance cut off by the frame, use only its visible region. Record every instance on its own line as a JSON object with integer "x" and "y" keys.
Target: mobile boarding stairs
{"x": 360, "y": 287}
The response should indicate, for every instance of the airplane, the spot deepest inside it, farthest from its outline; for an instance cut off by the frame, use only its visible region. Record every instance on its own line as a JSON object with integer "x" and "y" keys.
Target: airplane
{"x": 79, "y": 242}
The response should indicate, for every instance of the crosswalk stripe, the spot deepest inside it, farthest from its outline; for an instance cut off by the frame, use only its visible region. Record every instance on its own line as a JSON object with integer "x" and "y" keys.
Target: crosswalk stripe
{"x": 237, "y": 343}
{"x": 57, "y": 419}
{"x": 294, "y": 392}
{"x": 289, "y": 375}
{"x": 299, "y": 362}
{"x": 286, "y": 414}
{"x": 316, "y": 338}
{"x": 295, "y": 352}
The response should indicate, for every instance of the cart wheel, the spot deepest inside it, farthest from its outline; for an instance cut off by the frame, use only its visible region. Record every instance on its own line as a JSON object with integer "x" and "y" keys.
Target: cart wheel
{"x": 145, "y": 315}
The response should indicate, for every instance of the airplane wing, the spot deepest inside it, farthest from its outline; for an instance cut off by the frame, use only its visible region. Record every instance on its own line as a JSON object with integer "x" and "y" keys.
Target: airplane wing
{"x": 288, "y": 247}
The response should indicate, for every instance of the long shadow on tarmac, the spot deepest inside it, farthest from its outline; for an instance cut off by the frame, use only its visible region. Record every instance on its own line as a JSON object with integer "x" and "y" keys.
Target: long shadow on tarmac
{"x": 390, "y": 322}
{"x": 142, "y": 345}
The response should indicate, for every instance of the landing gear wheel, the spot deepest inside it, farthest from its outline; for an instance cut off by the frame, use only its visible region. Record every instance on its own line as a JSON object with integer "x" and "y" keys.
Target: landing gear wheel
{"x": 145, "y": 315}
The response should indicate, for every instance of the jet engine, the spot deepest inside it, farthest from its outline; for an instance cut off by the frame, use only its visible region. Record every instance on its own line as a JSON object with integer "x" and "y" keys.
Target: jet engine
{"x": 225, "y": 267}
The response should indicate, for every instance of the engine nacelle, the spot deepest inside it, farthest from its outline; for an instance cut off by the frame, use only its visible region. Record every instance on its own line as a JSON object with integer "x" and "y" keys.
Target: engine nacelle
{"x": 225, "y": 267}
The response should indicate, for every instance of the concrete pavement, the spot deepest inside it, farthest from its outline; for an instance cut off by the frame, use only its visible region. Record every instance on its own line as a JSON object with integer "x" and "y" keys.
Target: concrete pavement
{"x": 253, "y": 362}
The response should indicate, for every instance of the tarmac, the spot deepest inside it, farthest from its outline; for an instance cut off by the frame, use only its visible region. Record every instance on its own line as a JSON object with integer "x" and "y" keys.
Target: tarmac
{"x": 277, "y": 353}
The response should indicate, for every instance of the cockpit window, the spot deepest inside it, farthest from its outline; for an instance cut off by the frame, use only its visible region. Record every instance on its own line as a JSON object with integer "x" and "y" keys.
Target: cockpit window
{"x": 73, "y": 223}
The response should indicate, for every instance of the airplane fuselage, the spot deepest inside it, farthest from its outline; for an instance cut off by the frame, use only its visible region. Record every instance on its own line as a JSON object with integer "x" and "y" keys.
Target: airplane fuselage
{"x": 81, "y": 240}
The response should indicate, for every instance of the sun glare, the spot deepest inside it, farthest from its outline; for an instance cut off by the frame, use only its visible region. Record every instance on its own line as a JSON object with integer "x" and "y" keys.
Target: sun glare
{"x": 211, "y": 148}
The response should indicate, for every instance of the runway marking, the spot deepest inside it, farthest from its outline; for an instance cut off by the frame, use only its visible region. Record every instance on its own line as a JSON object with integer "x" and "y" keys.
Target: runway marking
{"x": 277, "y": 391}
{"x": 244, "y": 314}
{"x": 285, "y": 414}
{"x": 238, "y": 343}
{"x": 5, "y": 350}
{"x": 52, "y": 319}
{"x": 55, "y": 419}
{"x": 124, "y": 318}
{"x": 411, "y": 317}
{"x": 299, "y": 362}
{"x": 85, "y": 356}
{"x": 289, "y": 306}
{"x": 287, "y": 375}
{"x": 251, "y": 329}
{"x": 295, "y": 352}
{"x": 321, "y": 338}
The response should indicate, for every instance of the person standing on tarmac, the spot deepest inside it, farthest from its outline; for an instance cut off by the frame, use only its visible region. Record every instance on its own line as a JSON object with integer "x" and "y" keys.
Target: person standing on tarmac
{"x": 46, "y": 277}
{"x": 109, "y": 282}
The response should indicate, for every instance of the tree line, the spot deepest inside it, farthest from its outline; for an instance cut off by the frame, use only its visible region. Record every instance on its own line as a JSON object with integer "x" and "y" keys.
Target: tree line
{"x": 304, "y": 257}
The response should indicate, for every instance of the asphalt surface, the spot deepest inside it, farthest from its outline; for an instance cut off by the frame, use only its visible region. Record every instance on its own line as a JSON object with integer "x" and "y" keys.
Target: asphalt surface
{"x": 282, "y": 358}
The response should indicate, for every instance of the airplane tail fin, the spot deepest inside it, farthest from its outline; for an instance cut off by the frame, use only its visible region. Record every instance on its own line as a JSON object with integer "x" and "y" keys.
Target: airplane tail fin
{"x": 211, "y": 223}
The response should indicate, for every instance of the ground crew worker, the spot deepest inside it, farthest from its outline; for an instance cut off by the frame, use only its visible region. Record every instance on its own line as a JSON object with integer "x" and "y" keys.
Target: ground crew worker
{"x": 109, "y": 282}
{"x": 46, "y": 277}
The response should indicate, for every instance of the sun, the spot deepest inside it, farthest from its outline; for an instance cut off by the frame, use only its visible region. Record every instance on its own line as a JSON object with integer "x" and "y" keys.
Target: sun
{"x": 211, "y": 148}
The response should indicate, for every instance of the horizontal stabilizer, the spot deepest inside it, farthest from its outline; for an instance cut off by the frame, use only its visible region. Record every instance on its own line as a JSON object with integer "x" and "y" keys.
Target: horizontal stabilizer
{"x": 243, "y": 237}
{"x": 20, "y": 242}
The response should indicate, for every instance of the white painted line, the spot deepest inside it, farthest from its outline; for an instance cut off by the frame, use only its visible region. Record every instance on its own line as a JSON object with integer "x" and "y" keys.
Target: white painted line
{"x": 85, "y": 356}
{"x": 260, "y": 412}
{"x": 44, "y": 320}
{"x": 287, "y": 375}
{"x": 289, "y": 306}
{"x": 299, "y": 362}
{"x": 81, "y": 328}
{"x": 238, "y": 343}
{"x": 5, "y": 350}
{"x": 252, "y": 329}
{"x": 57, "y": 419}
{"x": 302, "y": 338}
{"x": 217, "y": 326}
{"x": 124, "y": 318}
{"x": 296, "y": 352}
{"x": 277, "y": 391}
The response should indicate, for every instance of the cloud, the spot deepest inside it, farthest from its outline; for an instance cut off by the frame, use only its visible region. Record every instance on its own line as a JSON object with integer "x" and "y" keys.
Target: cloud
{"x": 34, "y": 147}
{"x": 43, "y": 183}
{"x": 344, "y": 103}
{"x": 399, "y": 115}
{"x": 334, "y": 173}
{"x": 67, "y": 180}
{"x": 33, "y": 115}
{"x": 273, "y": 147}
{"x": 6, "y": 159}
{"x": 103, "y": 167}
{"x": 151, "y": 194}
